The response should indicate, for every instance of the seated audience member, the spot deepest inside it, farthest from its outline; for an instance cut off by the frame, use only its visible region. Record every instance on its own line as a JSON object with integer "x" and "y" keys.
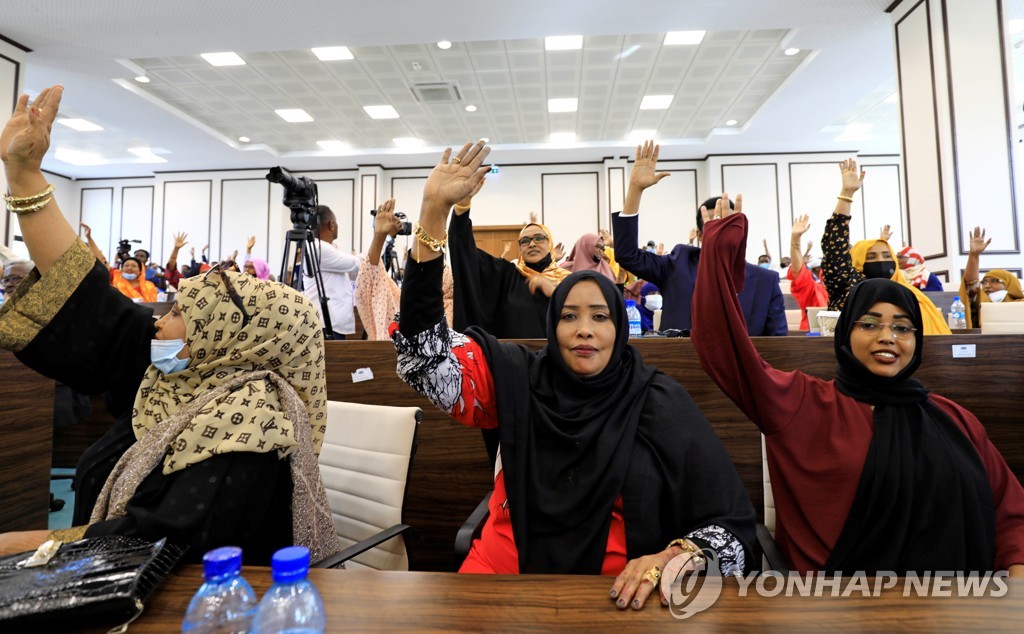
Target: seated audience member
{"x": 590, "y": 481}
{"x": 805, "y": 276}
{"x": 843, "y": 266}
{"x": 255, "y": 266}
{"x": 648, "y": 302}
{"x": 588, "y": 255}
{"x": 870, "y": 472}
{"x": 171, "y": 272}
{"x": 12, "y": 274}
{"x": 129, "y": 282}
{"x": 622, "y": 276}
{"x": 997, "y": 285}
{"x": 335, "y": 267}
{"x": 197, "y": 267}
{"x": 378, "y": 297}
{"x": 507, "y": 300}
{"x": 915, "y": 273}
{"x": 676, "y": 272}
{"x": 212, "y": 444}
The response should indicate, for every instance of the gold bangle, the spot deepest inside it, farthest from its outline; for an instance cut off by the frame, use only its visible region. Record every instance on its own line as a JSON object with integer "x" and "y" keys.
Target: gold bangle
{"x": 848, "y": 199}
{"x": 19, "y": 200}
{"x": 688, "y": 547}
{"x": 459, "y": 207}
{"x": 27, "y": 209}
{"x": 435, "y": 245}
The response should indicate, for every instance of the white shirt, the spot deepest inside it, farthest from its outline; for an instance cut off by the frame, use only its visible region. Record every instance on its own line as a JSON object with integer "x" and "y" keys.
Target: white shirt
{"x": 336, "y": 267}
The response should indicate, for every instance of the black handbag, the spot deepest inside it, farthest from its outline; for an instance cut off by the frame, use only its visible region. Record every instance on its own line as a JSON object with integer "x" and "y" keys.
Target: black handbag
{"x": 105, "y": 578}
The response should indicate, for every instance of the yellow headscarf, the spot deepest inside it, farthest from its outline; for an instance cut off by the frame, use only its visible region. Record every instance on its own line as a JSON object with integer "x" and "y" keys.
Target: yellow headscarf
{"x": 1013, "y": 291}
{"x": 934, "y": 320}
{"x": 553, "y": 272}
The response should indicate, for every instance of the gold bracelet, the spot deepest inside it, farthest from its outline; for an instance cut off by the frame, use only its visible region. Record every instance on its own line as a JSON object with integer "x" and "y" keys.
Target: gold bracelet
{"x": 27, "y": 209}
{"x": 435, "y": 245}
{"x": 688, "y": 547}
{"x": 461, "y": 208}
{"x": 18, "y": 200}
{"x": 848, "y": 199}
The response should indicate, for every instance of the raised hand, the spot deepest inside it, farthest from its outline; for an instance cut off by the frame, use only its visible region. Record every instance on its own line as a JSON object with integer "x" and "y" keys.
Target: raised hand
{"x": 558, "y": 253}
{"x": 250, "y": 243}
{"x": 644, "y": 172}
{"x": 193, "y": 252}
{"x": 468, "y": 200}
{"x": 722, "y": 208}
{"x": 386, "y": 222}
{"x": 607, "y": 237}
{"x": 206, "y": 248}
{"x": 661, "y": 249}
{"x": 852, "y": 178}
{"x": 693, "y": 235}
{"x": 533, "y": 218}
{"x": 885, "y": 233}
{"x": 800, "y": 227}
{"x": 810, "y": 245}
{"x": 540, "y": 283}
{"x": 26, "y": 137}
{"x": 86, "y": 231}
{"x": 234, "y": 256}
{"x": 506, "y": 250}
{"x": 454, "y": 178}
{"x": 180, "y": 240}
{"x": 978, "y": 242}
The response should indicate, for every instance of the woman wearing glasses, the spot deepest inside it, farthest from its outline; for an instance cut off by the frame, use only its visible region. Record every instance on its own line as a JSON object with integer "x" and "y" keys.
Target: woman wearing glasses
{"x": 509, "y": 301}
{"x": 996, "y": 285}
{"x": 870, "y": 472}
{"x": 219, "y": 406}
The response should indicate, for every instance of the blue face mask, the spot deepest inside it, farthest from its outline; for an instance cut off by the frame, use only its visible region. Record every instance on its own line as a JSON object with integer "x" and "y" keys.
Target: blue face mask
{"x": 164, "y": 355}
{"x": 129, "y": 276}
{"x": 765, "y": 265}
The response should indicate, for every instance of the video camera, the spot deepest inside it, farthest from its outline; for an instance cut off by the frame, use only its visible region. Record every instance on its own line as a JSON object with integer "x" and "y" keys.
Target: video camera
{"x": 300, "y": 195}
{"x": 124, "y": 247}
{"x": 406, "y": 229}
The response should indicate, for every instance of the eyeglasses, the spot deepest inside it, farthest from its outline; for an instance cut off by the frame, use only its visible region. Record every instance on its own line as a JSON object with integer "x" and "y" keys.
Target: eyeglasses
{"x": 992, "y": 280}
{"x": 540, "y": 238}
{"x": 900, "y": 331}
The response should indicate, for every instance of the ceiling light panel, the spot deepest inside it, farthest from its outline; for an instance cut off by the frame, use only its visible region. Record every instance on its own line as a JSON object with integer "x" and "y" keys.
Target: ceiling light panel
{"x": 563, "y": 104}
{"x": 656, "y": 102}
{"x": 294, "y": 115}
{"x": 80, "y": 125}
{"x": 563, "y": 42}
{"x": 223, "y": 59}
{"x": 683, "y": 38}
{"x": 333, "y": 53}
{"x": 381, "y": 112}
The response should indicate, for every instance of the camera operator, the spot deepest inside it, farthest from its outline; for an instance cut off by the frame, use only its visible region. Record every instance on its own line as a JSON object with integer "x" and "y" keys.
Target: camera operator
{"x": 336, "y": 266}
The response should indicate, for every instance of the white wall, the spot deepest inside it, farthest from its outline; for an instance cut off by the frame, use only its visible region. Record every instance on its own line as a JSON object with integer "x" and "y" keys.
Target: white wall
{"x": 225, "y": 208}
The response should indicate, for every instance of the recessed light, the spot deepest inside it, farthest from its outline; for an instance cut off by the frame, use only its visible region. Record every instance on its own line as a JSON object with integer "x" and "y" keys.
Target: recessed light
{"x": 655, "y": 102}
{"x": 731, "y": 122}
{"x": 223, "y": 59}
{"x": 407, "y": 141}
{"x": 562, "y": 138}
{"x": 294, "y": 115}
{"x": 142, "y": 79}
{"x": 470, "y": 108}
{"x": 332, "y": 53}
{"x": 76, "y": 157}
{"x": 683, "y": 38}
{"x": 791, "y": 51}
{"x": 563, "y": 42}
{"x": 80, "y": 124}
{"x": 638, "y": 136}
{"x": 333, "y": 145}
{"x": 244, "y": 139}
{"x": 381, "y": 112}
{"x": 563, "y": 105}
{"x": 444, "y": 45}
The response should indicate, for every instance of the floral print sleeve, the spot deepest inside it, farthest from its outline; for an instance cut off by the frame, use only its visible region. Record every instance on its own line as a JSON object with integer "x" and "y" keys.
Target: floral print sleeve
{"x": 837, "y": 270}
{"x": 450, "y": 369}
{"x": 377, "y": 299}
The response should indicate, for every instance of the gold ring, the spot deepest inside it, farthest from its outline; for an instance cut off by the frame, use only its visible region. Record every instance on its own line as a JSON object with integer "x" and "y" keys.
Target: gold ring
{"x": 456, "y": 160}
{"x": 652, "y": 576}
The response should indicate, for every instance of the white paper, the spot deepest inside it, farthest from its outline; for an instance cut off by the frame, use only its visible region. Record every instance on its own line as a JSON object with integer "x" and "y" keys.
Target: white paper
{"x": 964, "y": 351}
{"x": 362, "y": 374}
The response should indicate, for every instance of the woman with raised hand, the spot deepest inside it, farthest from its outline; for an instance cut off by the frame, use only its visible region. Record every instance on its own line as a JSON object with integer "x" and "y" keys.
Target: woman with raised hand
{"x": 996, "y": 285}
{"x": 842, "y": 266}
{"x": 870, "y": 472}
{"x": 606, "y": 465}
{"x": 220, "y": 405}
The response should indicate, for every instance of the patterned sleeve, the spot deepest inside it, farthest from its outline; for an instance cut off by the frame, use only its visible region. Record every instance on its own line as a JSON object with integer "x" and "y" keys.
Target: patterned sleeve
{"x": 837, "y": 270}
{"x": 377, "y": 299}
{"x": 450, "y": 369}
{"x": 731, "y": 557}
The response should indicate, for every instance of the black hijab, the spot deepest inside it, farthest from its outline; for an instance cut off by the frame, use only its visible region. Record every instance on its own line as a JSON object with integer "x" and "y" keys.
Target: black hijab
{"x": 566, "y": 441}
{"x": 923, "y": 502}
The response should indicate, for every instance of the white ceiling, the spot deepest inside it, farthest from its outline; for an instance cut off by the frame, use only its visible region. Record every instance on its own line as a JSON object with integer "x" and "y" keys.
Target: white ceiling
{"x": 193, "y": 113}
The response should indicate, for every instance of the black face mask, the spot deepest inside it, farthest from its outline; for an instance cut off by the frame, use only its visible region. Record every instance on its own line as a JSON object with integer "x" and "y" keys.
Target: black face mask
{"x": 883, "y": 269}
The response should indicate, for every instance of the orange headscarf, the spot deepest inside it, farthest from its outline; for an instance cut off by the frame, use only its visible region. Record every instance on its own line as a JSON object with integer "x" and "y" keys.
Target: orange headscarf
{"x": 934, "y": 321}
{"x": 146, "y": 292}
{"x": 1013, "y": 291}
{"x": 553, "y": 272}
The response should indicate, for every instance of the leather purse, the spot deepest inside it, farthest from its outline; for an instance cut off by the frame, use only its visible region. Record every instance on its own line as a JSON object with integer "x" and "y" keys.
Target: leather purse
{"x": 100, "y": 578}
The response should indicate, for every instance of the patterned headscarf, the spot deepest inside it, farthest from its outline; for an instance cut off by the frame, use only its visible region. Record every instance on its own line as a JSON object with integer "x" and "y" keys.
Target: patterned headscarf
{"x": 551, "y": 271}
{"x": 261, "y": 267}
{"x": 914, "y": 271}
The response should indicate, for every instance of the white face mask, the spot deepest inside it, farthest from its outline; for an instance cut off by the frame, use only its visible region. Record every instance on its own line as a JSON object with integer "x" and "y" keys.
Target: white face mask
{"x": 163, "y": 353}
{"x": 653, "y": 302}
{"x": 997, "y": 296}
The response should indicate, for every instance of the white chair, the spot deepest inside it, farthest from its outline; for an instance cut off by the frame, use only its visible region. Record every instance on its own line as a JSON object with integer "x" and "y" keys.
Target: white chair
{"x": 1002, "y": 318}
{"x": 812, "y": 318}
{"x": 364, "y": 464}
{"x": 656, "y": 321}
{"x": 793, "y": 318}
{"x": 784, "y": 285}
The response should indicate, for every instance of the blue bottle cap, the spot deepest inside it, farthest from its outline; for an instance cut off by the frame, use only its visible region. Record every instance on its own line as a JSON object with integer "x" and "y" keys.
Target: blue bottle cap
{"x": 222, "y": 561}
{"x": 814, "y": 333}
{"x": 290, "y": 564}
{"x": 630, "y": 302}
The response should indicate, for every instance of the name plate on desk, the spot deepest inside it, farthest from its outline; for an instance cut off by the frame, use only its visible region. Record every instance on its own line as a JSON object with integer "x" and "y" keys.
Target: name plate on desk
{"x": 964, "y": 351}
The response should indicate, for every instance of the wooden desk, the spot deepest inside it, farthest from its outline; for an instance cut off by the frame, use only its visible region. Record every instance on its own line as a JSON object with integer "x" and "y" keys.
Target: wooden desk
{"x": 366, "y": 601}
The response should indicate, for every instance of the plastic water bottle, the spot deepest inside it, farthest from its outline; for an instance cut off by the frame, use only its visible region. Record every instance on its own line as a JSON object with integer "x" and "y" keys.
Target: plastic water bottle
{"x": 225, "y": 603}
{"x": 956, "y": 312}
{"x": 633, "y": 315}
{"x": 292, "y": 604}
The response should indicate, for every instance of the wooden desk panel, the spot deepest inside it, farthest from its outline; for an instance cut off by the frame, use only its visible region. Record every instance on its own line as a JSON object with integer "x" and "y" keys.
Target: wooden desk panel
{"x": 26, "y": 426}
{"x": 364, "y": 601}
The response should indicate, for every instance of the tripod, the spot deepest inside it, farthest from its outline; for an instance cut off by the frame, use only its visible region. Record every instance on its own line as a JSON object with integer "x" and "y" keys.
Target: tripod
{"x": 390, "y": 259}
{"x": 307, "y": 251}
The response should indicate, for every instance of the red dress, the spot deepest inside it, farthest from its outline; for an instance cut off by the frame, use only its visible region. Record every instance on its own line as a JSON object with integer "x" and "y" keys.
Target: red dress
{"x": 807, "y": 292}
